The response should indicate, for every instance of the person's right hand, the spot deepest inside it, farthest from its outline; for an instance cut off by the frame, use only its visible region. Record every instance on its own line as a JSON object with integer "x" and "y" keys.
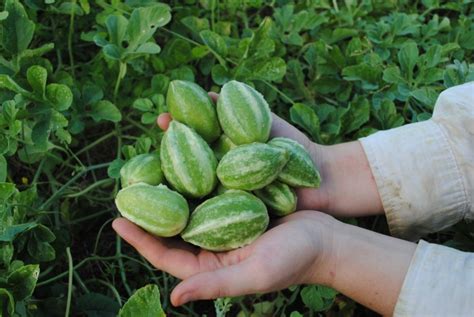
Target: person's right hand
{"x": 347, "y": 187}
{"x": 297, "y": 250}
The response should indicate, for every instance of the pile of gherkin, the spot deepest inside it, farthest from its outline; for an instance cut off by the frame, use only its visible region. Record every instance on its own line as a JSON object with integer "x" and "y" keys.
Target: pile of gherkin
{"x": 221, "y": 156}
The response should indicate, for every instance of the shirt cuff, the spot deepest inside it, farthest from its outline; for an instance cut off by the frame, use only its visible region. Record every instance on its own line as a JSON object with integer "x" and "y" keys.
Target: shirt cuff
{"x": 417, "y": 177}
{"x": 439, "y": 282}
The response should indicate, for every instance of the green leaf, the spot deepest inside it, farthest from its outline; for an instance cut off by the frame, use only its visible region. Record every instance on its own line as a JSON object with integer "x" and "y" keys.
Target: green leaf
{"x": 426, "y": 95}
{"x": 306, "y": 118}
{"x": 3, "y": 15}
{"x": 363, "y": 72}
{"x": 408, "y": 56}
{"x": 318, "y": 298}
{"x": 149, "y": 118}
{"x": 85, "y": 6}
{"x": 113, "y": 171}
{"x": 7, "y": 83}
{"x": 466, "y": 40}
{"x": 143, "y": 104}
{"x": 358, "y": 114}
{"x": 23, "y": 281}
{"x": 112, "y": 51}
{"x": 327, "y": 292}
{"x": 143, "y": 23}
{"x": 37, "y": 76}
{"x": 9, "y": 110}
{"x": 40, "y": 133}
{"x": 38, "y": 51}
{"x": 220, "y": 75}
{"x": 387, "y": 116}
{"x": 8, "y": 233}
{"x": 148, "y": 48}
{"x": 215, "y": 42}
{"x": 312, "y": 298}
{"x": 69, "y": 7}
{"x": 105, "y": 110}
{"x": 159, "y": 83}
{"x": 60, "y": 96}
{"x": 144, "y": 303}
{"x": 195, "y": 24}
{"x": 432, "y": 57}
{"x": 18, "y": 29}
{"x": 3, "y": 169}
{"x": 272, "y": 70}
{"x": 6, "y": 254}
{"x": 41, "y": 251}
{"x": 6, "y": 191}
{"x": 117, "y": 28}
{"x": 392, "y": 75}
{"x": 91, "y": 93}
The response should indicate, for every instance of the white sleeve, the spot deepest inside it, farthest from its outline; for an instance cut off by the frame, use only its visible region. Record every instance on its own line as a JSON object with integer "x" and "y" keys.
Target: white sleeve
{"x": 425, "y": 171}
{"x": 439, "y": 282}
{"x": 425, "y": 176}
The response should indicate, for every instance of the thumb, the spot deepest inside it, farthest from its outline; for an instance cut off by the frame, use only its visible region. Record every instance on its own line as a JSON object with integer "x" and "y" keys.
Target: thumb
{"x": 164, "y": 120}
{"x": 247, "y": 277}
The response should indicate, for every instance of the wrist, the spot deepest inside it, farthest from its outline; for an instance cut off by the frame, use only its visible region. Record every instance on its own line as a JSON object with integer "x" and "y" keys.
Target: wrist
{"x": 348, "y": 181}
{"x": 366, "y": 266}
{"x": 323, "y": 269}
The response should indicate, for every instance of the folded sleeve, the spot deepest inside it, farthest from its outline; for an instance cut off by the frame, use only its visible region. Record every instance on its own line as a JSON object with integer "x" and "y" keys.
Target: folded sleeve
{"x": 430, "y": 287}
{"x": 425, "y": 171}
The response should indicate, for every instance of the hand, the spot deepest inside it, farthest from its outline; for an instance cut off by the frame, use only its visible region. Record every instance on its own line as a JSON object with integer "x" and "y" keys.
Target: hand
{"x": 296, "y": 251}
{"x": 347, "y": 187}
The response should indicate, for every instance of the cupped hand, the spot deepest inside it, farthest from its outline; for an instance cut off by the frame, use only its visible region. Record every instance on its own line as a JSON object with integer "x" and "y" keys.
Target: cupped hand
{"x": 308, "y": 198}
{"x": 295, "y": 251}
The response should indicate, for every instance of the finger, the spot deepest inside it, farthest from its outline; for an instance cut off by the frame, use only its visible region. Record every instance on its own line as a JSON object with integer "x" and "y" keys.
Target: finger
{"x": 175, "y": 260}
{"x": 164, "y": 120}
{"x": 281, "y": 128}
{"x": 234, "y": 280}
{"x": 213, "y": 96}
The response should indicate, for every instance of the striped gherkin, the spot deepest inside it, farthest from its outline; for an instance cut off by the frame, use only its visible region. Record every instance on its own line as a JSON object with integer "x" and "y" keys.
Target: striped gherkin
{"x": 188, "y": 103}
{"x": 300, "y": 170}
{"x": 279, "y": 197}
{"x": 251, "y": 166}
{"x": 143, "y": 168}
{"x": 156, "y": 209}
{"x": 187, "y": 161}
{"x": 228, "y": 221}
{"x": 243, "y": 113}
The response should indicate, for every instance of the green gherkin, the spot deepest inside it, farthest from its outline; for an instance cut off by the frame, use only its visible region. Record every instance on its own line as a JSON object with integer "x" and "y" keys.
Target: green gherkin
{"x": 279, "y": 197}
{"x": 300, "y": 170}
{"x": 243, "y": 113}
{"x": 228, "y": 221}
{"x": 187, "y": 161}
{"x": 222, "y": 146}
{"x": 156, "y": 209}
{"x": 188, "y": 103}
{"x": 251, "y": 166}
{"x": 143, "y": 168}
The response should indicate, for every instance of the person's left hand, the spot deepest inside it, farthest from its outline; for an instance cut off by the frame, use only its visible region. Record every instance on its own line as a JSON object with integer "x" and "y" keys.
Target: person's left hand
{"x": 295, "y": 251}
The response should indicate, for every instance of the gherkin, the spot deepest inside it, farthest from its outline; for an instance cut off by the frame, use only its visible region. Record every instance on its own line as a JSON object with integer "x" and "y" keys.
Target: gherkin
{"x": 187, "y": 161}
{"x": 228, "y": 221}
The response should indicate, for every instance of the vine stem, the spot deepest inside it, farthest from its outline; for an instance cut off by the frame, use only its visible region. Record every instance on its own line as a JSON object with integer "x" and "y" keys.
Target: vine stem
{"x": 80, "y": 264}
{"x": 51, "y": 199}
{"x": 69, "y": 289}
{"x": 120, "y": 76}
{"x": 69, "y": 38}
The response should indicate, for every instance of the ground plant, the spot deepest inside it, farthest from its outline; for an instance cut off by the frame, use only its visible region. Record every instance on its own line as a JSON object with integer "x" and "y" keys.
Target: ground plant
{"x": 82, "y": 83}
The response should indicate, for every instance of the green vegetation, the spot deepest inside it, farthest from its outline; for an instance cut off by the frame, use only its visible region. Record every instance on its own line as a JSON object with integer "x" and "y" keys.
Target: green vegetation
{"x": 82, "y": 82}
